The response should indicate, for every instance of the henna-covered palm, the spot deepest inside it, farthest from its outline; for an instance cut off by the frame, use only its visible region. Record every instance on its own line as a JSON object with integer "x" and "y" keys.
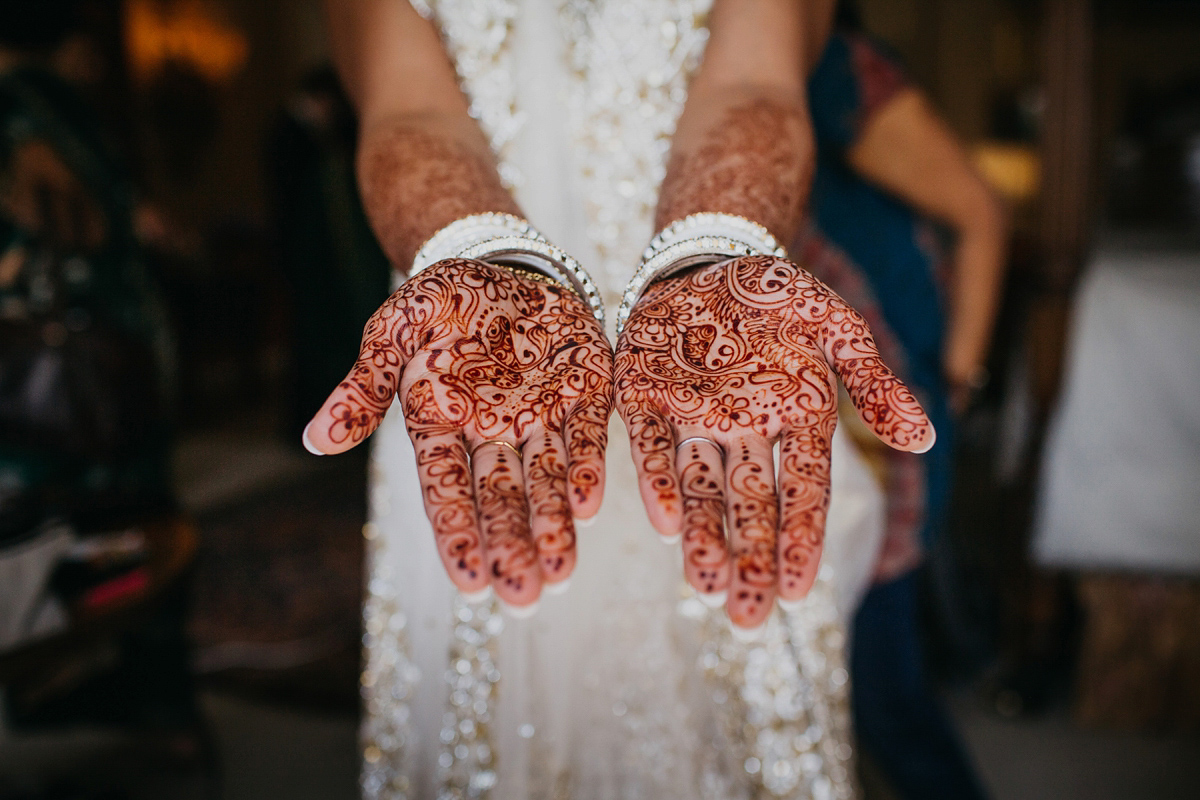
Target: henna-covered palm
{"x": 744, "y": 354}
{"x": 478, "y": 353}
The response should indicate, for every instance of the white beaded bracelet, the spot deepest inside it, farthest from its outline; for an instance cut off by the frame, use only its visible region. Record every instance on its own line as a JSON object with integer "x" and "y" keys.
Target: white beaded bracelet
{"x": 506, "y": 239}
{"x": 704, "y": 238}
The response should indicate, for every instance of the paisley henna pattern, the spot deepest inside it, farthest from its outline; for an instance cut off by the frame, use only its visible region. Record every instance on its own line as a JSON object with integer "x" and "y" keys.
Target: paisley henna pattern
{"x": 755, "y": 161}
{"x": 477, "y": 353}
{"x": 744, "y": 353}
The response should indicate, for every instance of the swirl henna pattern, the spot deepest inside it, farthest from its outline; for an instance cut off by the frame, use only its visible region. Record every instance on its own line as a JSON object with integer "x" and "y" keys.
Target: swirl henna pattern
{"x": 480, "y": 354}
{"x": 743, "y": 354}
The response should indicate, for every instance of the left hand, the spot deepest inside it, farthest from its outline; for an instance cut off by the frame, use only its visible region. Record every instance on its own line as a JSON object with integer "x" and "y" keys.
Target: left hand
{"x": 743, "y": 354}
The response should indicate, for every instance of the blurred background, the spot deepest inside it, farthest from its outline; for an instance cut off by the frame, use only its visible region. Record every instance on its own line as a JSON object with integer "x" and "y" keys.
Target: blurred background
{"x": 184, "y": 273}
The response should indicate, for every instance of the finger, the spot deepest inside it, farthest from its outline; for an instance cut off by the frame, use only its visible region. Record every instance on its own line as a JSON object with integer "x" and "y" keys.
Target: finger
{"x": 753, "y": 519}
{"x": 550, "y": 522}
{"x": 585, "y": 431}
{"x": 804, "y": 455}
{"x": 883, "y": 402}
{"x": 357, "y": 406}
{"x": 652, "y": 445}
{"x": 512, "y": 561}
{"x": 445, "y": 474}
{"x": 705, "y": 555}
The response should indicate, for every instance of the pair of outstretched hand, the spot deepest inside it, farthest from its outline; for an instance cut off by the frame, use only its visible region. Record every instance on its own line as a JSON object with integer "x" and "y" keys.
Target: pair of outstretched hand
{"x": 507, "y": 385}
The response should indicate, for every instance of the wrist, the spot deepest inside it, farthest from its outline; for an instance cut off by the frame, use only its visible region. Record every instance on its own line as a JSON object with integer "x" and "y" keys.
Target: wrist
{"x": 509, "y": 241}
{"x": 698, "y": 239}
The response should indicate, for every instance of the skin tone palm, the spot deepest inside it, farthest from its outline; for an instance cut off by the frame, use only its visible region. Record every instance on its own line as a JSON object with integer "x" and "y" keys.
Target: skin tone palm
{"x": 477, "y": 354}
{"x": 743, "y": 354}
{"x": 740, "y": 356}
{"x": 481, "y": 357}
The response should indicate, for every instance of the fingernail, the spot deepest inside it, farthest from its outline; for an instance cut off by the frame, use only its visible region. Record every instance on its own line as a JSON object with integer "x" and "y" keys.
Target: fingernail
{"x": 747, "y": 634}
{"x": 932, "y": 441}
{"x": 585, "y": 523}
{"x": 477, "y": 597}
{"x": 670, "y": 540}
{"x": 308, "y": 445}
{"x": 790, "y": 605}
{"x": 520, "y": 612}
{"x": 557, "y": 588}
{"x": 713, "y": 599}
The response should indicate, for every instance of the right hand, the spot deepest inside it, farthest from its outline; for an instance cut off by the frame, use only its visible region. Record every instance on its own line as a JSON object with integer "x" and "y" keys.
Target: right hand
{"x": 481, "y": 355}
{"x": 733, "y": 358}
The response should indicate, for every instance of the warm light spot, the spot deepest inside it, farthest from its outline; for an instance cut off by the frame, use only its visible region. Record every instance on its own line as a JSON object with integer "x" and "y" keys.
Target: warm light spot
{"x": 1013, "y": 170}
{"x": 186, "y": 30}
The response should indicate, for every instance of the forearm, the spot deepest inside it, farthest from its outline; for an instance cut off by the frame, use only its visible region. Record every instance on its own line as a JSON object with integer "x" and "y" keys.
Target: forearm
{"x": 743, "y": 144}
{"x": 979, "y": 263}
{"x": 740, "y": 151}
{"x": 420, "y": 172}
{"x": 423, "y": 162}
{"x": 907, "y": 150}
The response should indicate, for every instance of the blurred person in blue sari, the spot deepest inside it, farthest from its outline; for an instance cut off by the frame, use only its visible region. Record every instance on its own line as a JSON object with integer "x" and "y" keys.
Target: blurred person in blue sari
{"x": 891, "y": 182}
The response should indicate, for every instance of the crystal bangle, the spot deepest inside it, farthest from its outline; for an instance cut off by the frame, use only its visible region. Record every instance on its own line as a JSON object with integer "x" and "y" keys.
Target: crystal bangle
{"x": 705, "y": 238}
{"x": 506, "y": 239}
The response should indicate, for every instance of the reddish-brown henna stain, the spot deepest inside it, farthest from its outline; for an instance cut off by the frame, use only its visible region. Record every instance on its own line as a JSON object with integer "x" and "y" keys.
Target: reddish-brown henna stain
{"x": 478, "y": 353}
{"x": 414, "y": 183}
{"x": 701, "y": 478}
{"x": 744, "y": 353}
{"x": 756, "y": 163}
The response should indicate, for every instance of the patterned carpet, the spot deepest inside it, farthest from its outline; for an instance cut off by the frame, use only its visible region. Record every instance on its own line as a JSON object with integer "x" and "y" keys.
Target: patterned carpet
{"x": 277, "y": 588}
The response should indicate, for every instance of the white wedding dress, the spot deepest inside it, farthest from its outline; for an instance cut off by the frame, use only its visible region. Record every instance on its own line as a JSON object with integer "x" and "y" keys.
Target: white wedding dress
{"x": 626, "y": 686}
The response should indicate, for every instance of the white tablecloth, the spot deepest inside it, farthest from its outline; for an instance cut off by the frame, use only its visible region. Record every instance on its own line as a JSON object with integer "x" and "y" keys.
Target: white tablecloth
{"x": 1121, "y": 471}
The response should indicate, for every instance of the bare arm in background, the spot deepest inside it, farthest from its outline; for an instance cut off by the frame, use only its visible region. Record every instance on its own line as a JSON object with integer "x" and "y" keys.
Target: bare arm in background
{"x": 739, "y": 356}
{"x": 505, "y": 381}
{"x": 906, "y": 149}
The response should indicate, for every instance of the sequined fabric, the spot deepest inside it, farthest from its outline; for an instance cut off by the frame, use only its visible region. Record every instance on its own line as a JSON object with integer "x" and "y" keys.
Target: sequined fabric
{"x": 783, "y": 703}
{"x": 388, "y": 679}
{"x": 626, "y": 687}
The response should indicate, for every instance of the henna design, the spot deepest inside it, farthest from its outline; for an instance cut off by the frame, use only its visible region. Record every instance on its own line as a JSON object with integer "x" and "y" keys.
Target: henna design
{"x": 745, "y": 353}
{"x": 705, "y": 558}
{"x": 504, "y": 520}
{"x": 478, "y": 353}
{"x": 753, "y": 519}
{"x": 552, "y": 528}
{"x": 415, "y": 182}
{"x": 756, "y": 162}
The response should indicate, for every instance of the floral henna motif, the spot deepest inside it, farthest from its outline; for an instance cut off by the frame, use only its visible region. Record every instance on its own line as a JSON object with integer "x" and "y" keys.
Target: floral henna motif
{"x": 744, "y": 353}
{"x": 477, "y": 354}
